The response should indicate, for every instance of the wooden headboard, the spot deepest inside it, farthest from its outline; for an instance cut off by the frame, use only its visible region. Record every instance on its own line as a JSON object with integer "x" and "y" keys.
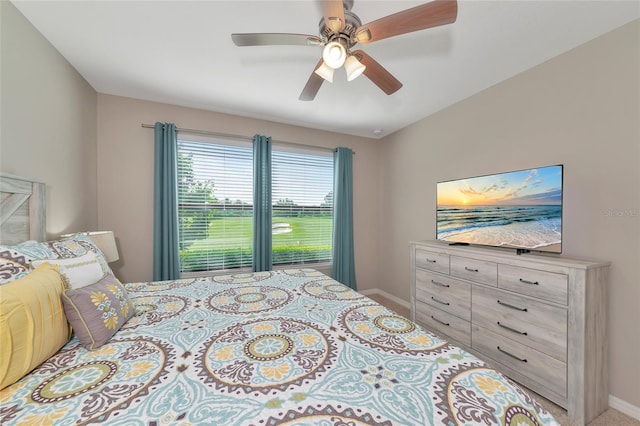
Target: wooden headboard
{"x": 22, "y": 209}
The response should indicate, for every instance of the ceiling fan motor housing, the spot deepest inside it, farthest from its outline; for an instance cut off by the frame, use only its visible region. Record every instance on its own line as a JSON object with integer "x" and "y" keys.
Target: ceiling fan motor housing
{"x": 344, "y": 37}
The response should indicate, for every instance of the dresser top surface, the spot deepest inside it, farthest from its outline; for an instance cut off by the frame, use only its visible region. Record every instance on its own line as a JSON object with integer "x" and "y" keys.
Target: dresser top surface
{"x": 508, "y": 255}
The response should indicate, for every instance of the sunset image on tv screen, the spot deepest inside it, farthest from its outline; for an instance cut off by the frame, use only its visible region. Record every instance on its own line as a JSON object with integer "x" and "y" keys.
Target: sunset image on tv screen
{"x": 520, "y": 209}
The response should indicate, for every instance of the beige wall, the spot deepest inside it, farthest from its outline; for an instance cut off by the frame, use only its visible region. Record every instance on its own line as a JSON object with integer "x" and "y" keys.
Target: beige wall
{"x": 125, "y": 176}
{"x": 580, "y": 109}
{"x": 48, "y": 123}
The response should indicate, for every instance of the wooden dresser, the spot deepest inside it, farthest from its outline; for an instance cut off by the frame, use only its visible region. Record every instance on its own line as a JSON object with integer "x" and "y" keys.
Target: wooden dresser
{"x": 540, "y": 319}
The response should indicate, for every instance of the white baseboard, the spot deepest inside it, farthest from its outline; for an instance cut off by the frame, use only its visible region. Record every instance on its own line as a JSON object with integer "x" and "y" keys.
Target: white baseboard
{"x": 389, "y": 296}
{"x": 615, "y": 403}
{"x": 624, "y": 407}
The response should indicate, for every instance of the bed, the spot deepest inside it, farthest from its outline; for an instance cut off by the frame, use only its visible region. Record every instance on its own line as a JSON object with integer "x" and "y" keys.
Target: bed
{"x": 284, "y": 347}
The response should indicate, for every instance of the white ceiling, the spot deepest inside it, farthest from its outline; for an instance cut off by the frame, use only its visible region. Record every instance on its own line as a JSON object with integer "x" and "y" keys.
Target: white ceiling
{"x": 180, "y": 52}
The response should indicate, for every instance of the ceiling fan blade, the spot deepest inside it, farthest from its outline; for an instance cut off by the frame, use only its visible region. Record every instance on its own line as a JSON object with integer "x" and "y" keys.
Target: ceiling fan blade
{"x": 378, "y": 74}
{"x": 313, "y": 85}
{"x": 333, "y": 11}
{"x": 428, "y": 15}
{"x": 270, "y": 39}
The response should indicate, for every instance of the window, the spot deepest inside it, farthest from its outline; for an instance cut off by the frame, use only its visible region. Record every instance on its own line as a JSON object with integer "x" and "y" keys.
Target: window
{"x": 215, "y": 211}
{"x": 302, "y": 195}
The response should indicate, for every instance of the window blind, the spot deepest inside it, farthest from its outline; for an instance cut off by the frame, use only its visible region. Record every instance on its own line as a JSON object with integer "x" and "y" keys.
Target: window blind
{"x": 302, "y": 191}
{"x": 215, "y": 211}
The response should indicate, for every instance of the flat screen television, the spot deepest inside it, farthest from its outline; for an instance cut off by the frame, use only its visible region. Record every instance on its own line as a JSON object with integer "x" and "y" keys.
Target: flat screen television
{"x": 519, "y": 209}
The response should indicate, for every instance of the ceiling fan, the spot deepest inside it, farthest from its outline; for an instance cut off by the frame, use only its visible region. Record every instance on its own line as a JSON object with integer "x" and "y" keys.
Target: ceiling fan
{"x": 341, "y": 30}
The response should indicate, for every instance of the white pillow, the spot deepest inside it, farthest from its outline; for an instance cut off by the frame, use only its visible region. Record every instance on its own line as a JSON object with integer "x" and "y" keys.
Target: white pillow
{"x": 77, "y": 272}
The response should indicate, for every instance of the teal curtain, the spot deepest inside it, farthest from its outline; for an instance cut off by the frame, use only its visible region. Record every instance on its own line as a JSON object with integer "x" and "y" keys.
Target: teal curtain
{"x": 262, "y": 259}
{"x": 166, "y": 260}
{"x": 343, "y": 269}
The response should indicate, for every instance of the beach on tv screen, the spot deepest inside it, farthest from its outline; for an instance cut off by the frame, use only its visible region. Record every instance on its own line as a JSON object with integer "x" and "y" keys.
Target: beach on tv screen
{"x": 520, "y": 209}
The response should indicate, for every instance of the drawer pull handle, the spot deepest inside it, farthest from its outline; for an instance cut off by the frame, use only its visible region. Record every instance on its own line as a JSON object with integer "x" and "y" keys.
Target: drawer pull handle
{"x": 529, "y": 282}
{"x": 511, "y": 355}
{"x": 440, "y": 301}
{"x": 512, "y": 306}
{"x": 430, "y": 260}
{"x": 524, "y": 333}
{"x": 439, "y": 283}
{"x": 441, "y": 322}
{"x": 466, "y": 268}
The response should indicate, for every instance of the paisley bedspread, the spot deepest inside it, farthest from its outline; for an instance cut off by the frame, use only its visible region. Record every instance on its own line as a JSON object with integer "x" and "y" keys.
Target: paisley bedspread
{"x": 270, "y": 348}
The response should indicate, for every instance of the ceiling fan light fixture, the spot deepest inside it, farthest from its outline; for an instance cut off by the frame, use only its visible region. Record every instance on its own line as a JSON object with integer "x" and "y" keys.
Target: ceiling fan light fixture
{"x": 334, "y": 54}
{"x": 334, "y": 24}
{"x": 353, "y": 67}
{"x": 325, "y": 72}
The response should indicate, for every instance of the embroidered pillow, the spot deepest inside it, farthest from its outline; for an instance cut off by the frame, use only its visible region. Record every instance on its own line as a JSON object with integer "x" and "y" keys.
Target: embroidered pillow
{"x": 77, "y": 271}
{"x": 33, "y": 325}
{"x": 76, "y": 245}
{"x": 15, "y": 261}
{"x": 97, "y": 311}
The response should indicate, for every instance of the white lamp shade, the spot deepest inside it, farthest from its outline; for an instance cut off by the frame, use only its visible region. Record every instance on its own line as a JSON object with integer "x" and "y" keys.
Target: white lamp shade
{"x": 106, "y": 242}
{"x": 334, "y": 54}
{"x": 325, "y": 72}
{"x": 353, "y": 67}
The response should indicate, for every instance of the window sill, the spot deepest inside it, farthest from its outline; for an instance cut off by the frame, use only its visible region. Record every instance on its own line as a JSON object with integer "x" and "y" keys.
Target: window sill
{"x": 324, "y": 267}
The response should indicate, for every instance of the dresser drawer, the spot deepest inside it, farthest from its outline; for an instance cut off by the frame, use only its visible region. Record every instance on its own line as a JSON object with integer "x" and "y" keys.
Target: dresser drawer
{"x": 446, "y": 293}
{"x": 448, "y": 326}
{"x": 539, "y": 367}
{"x": 541, "y": 284}
{"x": 536, "y": 324}
{"x": 432, "y": 260}
{"x": 475, "y": 270}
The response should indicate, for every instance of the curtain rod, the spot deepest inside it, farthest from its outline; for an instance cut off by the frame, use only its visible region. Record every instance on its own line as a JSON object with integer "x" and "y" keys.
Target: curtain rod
{"x": 232, "y": 136}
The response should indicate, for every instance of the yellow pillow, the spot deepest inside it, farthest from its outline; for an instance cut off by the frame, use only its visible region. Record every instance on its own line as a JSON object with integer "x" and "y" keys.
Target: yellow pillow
{"x": 33, "y": 325}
